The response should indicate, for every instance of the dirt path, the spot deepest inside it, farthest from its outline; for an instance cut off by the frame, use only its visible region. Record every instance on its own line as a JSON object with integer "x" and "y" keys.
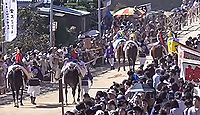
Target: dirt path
{"x": 48, "y": 104}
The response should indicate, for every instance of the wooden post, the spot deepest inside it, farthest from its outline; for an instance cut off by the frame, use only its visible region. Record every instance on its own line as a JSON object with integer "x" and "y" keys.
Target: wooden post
{"x": 61, "y": 95}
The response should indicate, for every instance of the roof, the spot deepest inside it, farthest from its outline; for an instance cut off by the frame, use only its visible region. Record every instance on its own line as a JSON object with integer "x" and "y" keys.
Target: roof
{"x": 64, "y": 10}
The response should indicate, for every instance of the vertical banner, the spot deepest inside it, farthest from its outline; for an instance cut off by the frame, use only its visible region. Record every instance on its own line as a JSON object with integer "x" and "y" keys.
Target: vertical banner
{"x": 10, "y": 19}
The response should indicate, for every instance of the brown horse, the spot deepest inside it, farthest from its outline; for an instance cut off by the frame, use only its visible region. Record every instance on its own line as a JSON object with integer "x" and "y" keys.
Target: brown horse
{"x": 158, "y": 51}
{"x": 121, "y": 54}
{"x": 131, "y": 54}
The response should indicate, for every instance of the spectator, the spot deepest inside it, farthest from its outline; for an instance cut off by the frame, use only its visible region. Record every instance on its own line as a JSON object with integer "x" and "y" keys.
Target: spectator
{"x": 195, "y": 109}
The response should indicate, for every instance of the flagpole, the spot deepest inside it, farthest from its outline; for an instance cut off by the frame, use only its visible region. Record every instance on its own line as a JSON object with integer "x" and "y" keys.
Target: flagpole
{"x": 2, "y": 27}
{"x": 51, "y": 24}
{"x": 99, "y": 18}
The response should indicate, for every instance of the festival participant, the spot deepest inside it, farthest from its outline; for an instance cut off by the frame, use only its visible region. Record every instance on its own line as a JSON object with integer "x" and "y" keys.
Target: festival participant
{"x": 34, "y": 83}
{"x": 18, "y": 57}
{"x": 85, "y": 84}
{"x": 195, "y": 109}
{"x": 143, "y": 52}
{"x": 109, "y": 54}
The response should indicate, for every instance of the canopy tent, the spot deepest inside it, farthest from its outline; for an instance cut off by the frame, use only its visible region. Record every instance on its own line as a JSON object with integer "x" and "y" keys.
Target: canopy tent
{"x": 138, "y": 87}
{"x": 92, "y": 33}
{"x": 129, "y": 11}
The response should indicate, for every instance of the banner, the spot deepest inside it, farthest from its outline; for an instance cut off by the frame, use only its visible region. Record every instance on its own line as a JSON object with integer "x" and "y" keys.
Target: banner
{"x": 190, "y": 70}
{"x": 10, "y": 19}
{"x": 189, "y": 62}
{"x": 145, "y": 7}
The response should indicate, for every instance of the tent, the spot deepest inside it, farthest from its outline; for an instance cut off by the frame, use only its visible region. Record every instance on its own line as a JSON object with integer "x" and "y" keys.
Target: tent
{"x": 138, "y": 87}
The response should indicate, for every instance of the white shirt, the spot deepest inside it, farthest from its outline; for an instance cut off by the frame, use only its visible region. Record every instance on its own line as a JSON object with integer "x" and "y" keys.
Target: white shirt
{"x": 193, "y": 111}
{"x": 176, "y": 111}
{"x": 156, "y": 80}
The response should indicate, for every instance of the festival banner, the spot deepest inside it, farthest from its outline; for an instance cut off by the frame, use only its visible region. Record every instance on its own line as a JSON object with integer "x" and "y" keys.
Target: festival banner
{"x": 190, "y": 70}
{"x": 10, "y": 19}
{"x": 189, "y": 62}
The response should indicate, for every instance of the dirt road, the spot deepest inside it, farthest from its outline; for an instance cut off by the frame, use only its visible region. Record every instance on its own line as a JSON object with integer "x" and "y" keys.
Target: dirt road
{"x": 48, "y": 104}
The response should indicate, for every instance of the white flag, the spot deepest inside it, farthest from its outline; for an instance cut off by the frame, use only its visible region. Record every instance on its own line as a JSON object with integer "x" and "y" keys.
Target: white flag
{"x": 10, "y": 19}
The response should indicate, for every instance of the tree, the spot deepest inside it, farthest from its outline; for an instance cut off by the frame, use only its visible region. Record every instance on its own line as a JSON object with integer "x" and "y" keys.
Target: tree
{"x": 32, "y": 31}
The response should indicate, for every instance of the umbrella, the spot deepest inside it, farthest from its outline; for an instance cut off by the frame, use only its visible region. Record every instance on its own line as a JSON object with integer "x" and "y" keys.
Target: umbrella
{"x": 128, "y": 12}
{"x": 138, "y": 87}
{"x": 92, "y": 33}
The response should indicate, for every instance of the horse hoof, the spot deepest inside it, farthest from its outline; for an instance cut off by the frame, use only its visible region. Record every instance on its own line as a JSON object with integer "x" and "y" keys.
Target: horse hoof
{"x": 118, "y": 69}
{"x": 78, "y": 100}
{"x": 22, "y": 104}
{"x": 16, "y": 106}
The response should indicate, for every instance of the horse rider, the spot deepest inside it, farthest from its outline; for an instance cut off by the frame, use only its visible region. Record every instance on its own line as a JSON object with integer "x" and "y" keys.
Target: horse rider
{"x": 18, "y": 57}
{"x": 34, "y": 82}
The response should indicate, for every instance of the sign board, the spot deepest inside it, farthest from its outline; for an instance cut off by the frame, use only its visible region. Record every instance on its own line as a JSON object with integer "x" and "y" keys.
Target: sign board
{"x": 145, "y": 7}
{"x": 189, "y": 62}
{"x": 190, "y": 70}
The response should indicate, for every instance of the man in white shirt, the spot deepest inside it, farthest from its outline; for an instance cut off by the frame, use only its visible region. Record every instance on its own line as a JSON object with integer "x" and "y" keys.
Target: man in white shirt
{"x": 195, "y": 110}
{"x": 156, "y": 77}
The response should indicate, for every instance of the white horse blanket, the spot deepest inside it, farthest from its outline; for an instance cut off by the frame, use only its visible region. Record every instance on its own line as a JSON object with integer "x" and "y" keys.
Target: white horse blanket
{"x": 10, "y": 68}
{"x": 79, "y": 65}
{"x": 116, "y": 43}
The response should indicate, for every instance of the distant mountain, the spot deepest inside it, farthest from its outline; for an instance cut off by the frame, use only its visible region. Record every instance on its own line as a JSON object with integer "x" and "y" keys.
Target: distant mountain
{"x": 156, "y": 4}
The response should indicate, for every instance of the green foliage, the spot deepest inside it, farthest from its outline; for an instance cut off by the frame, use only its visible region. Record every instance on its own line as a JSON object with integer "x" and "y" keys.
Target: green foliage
{"x": 82, "y": 5}
{"x": 32, "y": 31}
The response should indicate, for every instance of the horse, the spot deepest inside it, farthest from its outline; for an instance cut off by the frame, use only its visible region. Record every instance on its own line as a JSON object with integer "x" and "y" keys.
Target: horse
{"x": 120, "y": 54}
{"x": 16, "y": 82}
{"x": 158, "y": 51}
{"x": 131, "y": 50}
{"x": 72, "y": 77}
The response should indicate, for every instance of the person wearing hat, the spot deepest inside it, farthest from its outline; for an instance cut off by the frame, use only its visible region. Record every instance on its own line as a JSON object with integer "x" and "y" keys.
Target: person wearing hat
{"x": 112, "y": 95}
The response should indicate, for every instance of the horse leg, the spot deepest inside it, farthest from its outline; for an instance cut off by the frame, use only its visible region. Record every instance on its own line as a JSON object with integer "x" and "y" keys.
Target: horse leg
{"x": 66, "y": 91}
{"x": 118, "y": 64}
{"x": 21, "y": 96}
{"x": 73, "y": 93}
{"x": 13, "y": 94}
{"x": 124, "y": 63}
{"x": 17, "y": 97}
{"x": 133, "y": 61}
{"x": 129, "y": 63}
{"x": 79, "y": 92}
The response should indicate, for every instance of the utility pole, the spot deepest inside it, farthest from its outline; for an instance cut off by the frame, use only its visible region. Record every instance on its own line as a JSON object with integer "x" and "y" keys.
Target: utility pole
{"x": 51, "y": 24}
{"x": 2, "y": 27}
{"x": 99, "y": 18}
